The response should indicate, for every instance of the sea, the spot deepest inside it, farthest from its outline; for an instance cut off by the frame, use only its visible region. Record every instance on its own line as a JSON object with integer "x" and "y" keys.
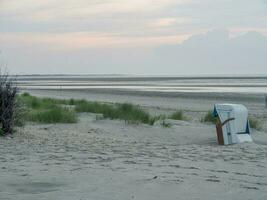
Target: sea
{"x": 170, "y": 84}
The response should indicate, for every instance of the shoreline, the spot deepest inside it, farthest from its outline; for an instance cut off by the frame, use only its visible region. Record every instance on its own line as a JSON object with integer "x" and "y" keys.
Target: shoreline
{"x": 126, "y": 77}
{"x": 205, "y": 95}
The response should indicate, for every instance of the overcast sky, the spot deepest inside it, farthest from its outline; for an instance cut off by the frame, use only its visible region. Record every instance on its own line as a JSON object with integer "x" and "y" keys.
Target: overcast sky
{"x": 174, "y": 37}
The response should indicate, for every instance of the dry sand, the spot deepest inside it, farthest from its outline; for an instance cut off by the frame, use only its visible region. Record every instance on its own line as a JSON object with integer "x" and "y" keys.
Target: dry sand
{"x": 104, "y": 159}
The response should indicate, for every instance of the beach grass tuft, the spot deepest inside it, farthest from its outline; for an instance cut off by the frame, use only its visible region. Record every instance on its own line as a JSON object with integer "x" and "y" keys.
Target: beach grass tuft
{"x": 208, "y": 117}
{"x": 53, "y": 115}
{"x": 255, "y": 123}
{"x": 178, "y": 115}
{"x": 47, "y": 110}
{"x": 33, "y": 102}
{"x": 128, "y": 112}
{"x": 92, "y": 107}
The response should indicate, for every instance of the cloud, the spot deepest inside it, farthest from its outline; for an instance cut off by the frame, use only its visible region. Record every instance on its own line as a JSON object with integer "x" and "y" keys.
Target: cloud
{"x": 62, "y": 9}
{"x": 81, "y": 40}
{"x": 237, "y": 31}
{"x": 213, "y": 52}
{"x": 110, "y": 34}
{"x": 153, "y": 18}
{"x": 165, "y": 22}
{"x": 123, "y": 17}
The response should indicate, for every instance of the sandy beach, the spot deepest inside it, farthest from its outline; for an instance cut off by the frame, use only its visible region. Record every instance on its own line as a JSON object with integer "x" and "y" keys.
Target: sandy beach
{"x": 108, "y": 159}
{"x": 133, "y": 100}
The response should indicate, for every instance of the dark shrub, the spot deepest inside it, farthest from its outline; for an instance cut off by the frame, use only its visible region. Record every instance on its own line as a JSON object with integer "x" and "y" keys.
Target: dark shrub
{"x": 8, "y": 103}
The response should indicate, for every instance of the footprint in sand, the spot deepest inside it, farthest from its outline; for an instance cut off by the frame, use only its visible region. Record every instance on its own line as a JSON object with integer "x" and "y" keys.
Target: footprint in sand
{"x": 249, "y": 187}
{"x": 35, "y": 187}
{"x": 213, "y": 180}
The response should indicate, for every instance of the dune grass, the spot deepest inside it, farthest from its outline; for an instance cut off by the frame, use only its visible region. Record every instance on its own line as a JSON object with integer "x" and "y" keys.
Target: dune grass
{"x": 178, "y": 115}
{"x": 53, "y": 115}
{"x": 48, "y": 110}
{"x": 128, "y": 112}
{"x": 131, "y": 113}
{"x": 209, "y": 118}
{"x": 255, "y": 123}
{"x": 91, "y": 107}
{"x": 41, "y": 103}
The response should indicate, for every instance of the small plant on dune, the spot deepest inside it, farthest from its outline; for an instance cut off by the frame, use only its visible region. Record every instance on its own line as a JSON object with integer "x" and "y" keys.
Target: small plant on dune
{"x": 92, "y": 107}
{"x": 208, "y": 117}
{"x": 128, "y": 112}
{"x": 255, "y": 123}
{"x": 178, "y": 115}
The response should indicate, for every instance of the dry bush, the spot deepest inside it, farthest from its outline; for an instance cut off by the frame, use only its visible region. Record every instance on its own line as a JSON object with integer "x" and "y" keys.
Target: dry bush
{"x": 8, "y": 103}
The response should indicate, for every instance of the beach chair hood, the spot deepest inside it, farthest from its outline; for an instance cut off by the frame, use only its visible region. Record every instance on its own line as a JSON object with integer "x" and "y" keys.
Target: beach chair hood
{"x": 237, "y": 130}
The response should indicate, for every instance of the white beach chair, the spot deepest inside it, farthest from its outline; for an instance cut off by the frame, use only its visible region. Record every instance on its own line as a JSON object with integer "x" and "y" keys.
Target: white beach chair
{"x": 233, "y": 124}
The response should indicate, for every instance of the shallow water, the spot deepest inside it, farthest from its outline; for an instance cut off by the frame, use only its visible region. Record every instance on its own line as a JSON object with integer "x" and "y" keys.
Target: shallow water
{"x": 147, "y": 83}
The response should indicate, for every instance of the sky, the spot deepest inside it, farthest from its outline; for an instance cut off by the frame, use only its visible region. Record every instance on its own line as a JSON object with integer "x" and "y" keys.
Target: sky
{"x": 151, "y": 37}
